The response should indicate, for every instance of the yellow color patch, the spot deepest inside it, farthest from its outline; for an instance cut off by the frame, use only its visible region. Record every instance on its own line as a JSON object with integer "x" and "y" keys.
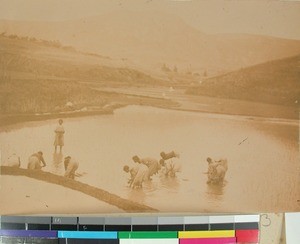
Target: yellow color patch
{"x": 207, "y": 234}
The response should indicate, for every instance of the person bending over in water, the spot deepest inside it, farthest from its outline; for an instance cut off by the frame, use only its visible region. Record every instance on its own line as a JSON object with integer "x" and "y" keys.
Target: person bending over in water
{"x": 35, "y": 161}
{"x": 171, "y": 166}
{"x": 132, "y": 171}
{"x": 59, "y": 136}
{"x": 71, "y": 165}
{"x": 166, "y": 156}
{"x": 216, "y": 170}
{"x": 138, "y": 174}
{"x": 152, "y": 164}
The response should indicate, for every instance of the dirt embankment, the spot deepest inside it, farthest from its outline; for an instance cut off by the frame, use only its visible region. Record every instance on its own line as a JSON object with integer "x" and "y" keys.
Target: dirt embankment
{"x": 21, "y": 118}
{"x": 102, "y": 195}
{"x": 112, "y": 101}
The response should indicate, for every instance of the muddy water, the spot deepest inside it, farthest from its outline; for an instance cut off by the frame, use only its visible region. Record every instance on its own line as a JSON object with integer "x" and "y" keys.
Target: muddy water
{"x": 263, "y": 166}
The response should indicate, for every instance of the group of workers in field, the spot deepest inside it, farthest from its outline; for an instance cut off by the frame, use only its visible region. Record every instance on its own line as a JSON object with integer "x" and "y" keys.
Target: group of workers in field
{"x": 145, "y": 168}
{"x": 36, "y": 161}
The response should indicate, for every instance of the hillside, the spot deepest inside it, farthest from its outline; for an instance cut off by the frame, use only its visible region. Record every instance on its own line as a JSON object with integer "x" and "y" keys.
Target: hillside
{"x": 39, "y": 76}
{"x": 275, "y": 82}
{"x": 37, "y": 58}
{"x": 149, "y": 39}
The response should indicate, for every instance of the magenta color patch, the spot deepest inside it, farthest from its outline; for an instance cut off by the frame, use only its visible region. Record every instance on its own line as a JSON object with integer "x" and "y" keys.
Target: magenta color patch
{"x": 221, "y": 240}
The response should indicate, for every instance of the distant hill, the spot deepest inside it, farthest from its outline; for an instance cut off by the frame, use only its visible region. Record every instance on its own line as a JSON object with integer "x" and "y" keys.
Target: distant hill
{"x": 43, "y": 76}
{"x": 26, "y": 58}
{"x": 149, "y": 39}
{"x": 275, "y": 82}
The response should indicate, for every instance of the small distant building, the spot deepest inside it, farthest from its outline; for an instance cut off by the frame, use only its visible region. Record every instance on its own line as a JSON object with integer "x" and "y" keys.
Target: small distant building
{"x": 171, "y": 89}
{"x": 69, "y": 105}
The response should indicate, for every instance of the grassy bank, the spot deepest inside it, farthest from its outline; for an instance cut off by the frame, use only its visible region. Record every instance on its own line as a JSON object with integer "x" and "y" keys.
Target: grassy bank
{"x": 275, "y": 82}
{"x": 22, "y": 101}
{"x": 41, "y": 80}
{"x": 47, "y": 96}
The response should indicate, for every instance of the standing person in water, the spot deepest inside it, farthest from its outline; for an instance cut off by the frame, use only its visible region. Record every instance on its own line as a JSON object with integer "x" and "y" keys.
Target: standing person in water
{"x": 59, "y": 135}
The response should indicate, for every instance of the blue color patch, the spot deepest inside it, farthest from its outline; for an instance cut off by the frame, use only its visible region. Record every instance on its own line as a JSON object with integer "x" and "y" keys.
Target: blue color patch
{"x": 88, "y": 234}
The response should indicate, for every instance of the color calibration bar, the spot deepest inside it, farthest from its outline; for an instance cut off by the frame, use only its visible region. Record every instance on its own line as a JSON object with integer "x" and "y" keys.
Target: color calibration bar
{"x": 179, "y": 230}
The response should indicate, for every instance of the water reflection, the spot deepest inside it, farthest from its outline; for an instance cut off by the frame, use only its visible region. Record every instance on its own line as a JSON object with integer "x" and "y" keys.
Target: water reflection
{"x": 215, "y": 192}
{"x": 101, "y": 143}
{"x": 136, "y": 195}
{"x": 170, "y": 183}
{"x": 57, "y": 166}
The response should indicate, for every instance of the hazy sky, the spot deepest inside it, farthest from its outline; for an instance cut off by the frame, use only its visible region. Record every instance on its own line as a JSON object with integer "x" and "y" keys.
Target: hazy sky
{"x": 275, "y": 18}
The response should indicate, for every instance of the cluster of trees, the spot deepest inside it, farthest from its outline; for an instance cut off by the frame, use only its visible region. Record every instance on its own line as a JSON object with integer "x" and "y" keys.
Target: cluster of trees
{"x": 167, "y": 69}
{"x": 54, "y": 43}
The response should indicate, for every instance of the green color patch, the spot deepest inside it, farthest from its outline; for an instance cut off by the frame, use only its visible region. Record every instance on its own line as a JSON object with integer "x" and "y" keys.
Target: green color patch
{"x": 148, "y": 235}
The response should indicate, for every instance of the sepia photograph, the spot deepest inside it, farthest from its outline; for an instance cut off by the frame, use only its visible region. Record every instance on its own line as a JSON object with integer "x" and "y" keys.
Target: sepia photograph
{"x": 149, "y": 106}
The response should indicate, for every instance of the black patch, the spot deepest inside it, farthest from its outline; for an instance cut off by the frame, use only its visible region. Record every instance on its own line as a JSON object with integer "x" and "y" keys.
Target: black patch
{"x": 223, "y": 226}
{"x": 12, "y": 226}
{"x": 117, "y": 227}
{"x": 196, "y": 227}
{"x": 170, "y": 227}
{"x": 144, "y": 228}
{"x": 38, "y": 227}
{"x": 91, "y": 227}
{"x": 63, "y": 227}
{"x": 246, "y": 226}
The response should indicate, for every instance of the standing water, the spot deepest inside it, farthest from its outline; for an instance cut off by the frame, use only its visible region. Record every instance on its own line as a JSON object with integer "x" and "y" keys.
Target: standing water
{"x": 263, "y": 168}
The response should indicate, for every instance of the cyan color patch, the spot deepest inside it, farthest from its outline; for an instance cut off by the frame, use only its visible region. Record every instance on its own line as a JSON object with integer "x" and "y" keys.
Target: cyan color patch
{"x": 88, "y": 234}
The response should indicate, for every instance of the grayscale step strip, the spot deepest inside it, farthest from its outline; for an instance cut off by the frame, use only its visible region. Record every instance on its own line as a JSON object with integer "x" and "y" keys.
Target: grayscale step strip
{"x": 138, "y": 223}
